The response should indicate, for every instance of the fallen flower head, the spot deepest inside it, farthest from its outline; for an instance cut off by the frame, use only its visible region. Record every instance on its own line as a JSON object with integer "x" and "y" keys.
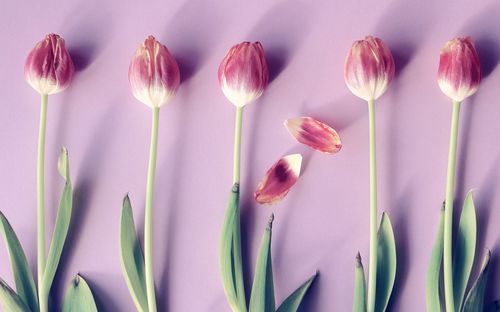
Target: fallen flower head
{"x": 314, "y": 134}
{"x": 279, "y": 179}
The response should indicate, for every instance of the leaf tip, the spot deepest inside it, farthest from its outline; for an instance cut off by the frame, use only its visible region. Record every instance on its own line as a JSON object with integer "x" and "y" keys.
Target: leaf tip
{"x": 270, "y": 222}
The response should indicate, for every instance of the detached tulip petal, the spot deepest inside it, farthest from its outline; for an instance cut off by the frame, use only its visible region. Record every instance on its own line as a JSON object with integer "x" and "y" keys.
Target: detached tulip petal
{"x": 49, "y": 68}
{"x": 314, "y": 134}
{"x": 153, "y": 73}
{"x": 243, "y": 73}
{"x": 459, "y": 70}
{"x": 279, "y": 179}
{"x": 369, "y": 68}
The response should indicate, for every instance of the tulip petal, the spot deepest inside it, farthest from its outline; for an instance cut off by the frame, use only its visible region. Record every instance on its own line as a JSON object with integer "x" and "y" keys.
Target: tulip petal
{"x": 315, "y": 134}
{"x": 279, "y": 179}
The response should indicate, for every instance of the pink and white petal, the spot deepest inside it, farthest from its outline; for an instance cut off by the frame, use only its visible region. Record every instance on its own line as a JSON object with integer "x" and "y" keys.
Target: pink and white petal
{"x": 279, "y": 179}
{"x": 315, "y": 134}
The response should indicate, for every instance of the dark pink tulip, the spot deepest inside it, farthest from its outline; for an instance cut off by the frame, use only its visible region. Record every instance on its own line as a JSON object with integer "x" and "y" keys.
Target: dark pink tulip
{"x": 314, "y": 134}
{"x": 369, "y": 68}
{"x": 49, "y": 68}
{"x": 153, "y": 73}
{"x": 459, "y": 70}
{"x": 279, "y": 179}
{"x": 243, "y": 73}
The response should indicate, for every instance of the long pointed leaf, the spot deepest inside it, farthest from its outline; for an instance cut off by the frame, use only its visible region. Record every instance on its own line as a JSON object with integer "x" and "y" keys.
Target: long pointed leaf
{"x": 62, "y": 223}
{"x": 25, "y": 285}
{"x": 292, "y": 302}
{"x": 475, "y": 299}
{"x": 465, "y": 250}
{"x": 9, "y": 300}
{"x": 132, "y": 259}
{"x": 359, "y": 302}
{"x": 434, "y": 269}
{"x": 230, "y": 254}
{"x": 78, "y": 297}
{"x": 262, "y": 298}
{"x": 386, "y": 263}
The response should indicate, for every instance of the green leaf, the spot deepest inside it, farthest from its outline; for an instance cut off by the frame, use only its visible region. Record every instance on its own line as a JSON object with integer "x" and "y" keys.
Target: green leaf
{"x": 9, "y": 300}
{"x": 475, "y": 298}
{"x": 62, "y": 223}
{"x": 132, "y": 259}
{"x": 230, "y": 254}
{"x": 386, "y": 263}
{"x": 262, "y": 298}
{"x": 78, "y": 297}
{"x": 25, "y": 285}
{"x": 359, "y": 302}
{"x": 292, "y": 303}
{"x": 434, "y": 269}
{"x": 464, "y": 250}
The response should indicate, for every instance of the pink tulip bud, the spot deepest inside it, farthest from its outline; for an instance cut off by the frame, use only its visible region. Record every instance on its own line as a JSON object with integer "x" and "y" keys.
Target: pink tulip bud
{"x": 153, "y": 73}
{"x": 279, "y": 179}
{"x": 49, "y": 68}
{"x": 314, "y": 134}
{"x": 459, "y": 70}
{"x": 243, "y": 73}
{"x": 369, "y": 68}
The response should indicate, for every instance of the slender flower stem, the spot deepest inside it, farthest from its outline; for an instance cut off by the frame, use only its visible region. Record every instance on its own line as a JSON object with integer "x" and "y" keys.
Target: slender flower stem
{"x": 237, "y": 144}
{"x": 148, "y": 218}
{"x": 40, "y": 191}
{"x": 372, "y": 273}
{"x": 448, "y": 210}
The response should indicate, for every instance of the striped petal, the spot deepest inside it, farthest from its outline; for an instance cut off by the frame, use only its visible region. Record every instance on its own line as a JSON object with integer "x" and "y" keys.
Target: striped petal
{"x": 279, "y": 179}
{"x": 315, "y": 134}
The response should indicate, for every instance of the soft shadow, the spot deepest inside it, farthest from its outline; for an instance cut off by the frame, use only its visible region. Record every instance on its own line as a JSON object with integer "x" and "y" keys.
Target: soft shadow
{"x": 103, "y": 299}
{"x": 493, "y": 285}
{"x": 189, "y": 23}
{"x": 311, "y": 299}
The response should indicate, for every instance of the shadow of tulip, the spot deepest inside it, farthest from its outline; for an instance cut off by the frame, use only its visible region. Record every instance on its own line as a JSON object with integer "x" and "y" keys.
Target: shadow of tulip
{"x": 492, "y": 293}
{"x": 311, "y": 299}
{"x": 102, "y": 297}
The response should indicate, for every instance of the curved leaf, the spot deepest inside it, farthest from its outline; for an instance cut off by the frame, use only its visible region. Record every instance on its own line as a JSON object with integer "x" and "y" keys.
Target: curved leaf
{"x": 62, "y": 224}
{"x": 464, "y": 250}
{"x": 230, "y": 254}
{"x": 262, "y": 298}
{"x": 434, "y": 269}
{"x": 78, "y": 297}
{"x": 25, "y": 285}
{"x": 359, "y": 302}
{"x": 386, "y": 263}
{"x": 475, "y": 298}
{"x": 9, "y": 300}
{"x": 132, "y": 260}
{"x": 292, "y": 303}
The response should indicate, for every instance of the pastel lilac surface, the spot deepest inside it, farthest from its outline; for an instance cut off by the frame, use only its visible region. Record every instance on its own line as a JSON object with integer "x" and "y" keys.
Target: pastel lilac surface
{"x": 459, "y": 70}
{"x": 323, "y": 221}
{"x": 49, "y": 68}
{"x": 153, "y": 73}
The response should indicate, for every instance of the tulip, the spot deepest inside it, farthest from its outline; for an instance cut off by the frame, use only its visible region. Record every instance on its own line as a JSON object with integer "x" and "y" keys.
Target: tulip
{"x": 459, "y": 75}
{"x": 369, "y": 68}
{"x": 459, "y": 70}
{"x": 314, "y": 134}
{"x": 279, "y": 179}
{"x": 153, "y": 73}
{"x": 243, "y": 73}
{"x": 49, "y": 68}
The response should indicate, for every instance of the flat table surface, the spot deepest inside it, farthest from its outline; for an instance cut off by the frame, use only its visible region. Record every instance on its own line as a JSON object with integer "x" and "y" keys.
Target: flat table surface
{"x": 323, "y": 222}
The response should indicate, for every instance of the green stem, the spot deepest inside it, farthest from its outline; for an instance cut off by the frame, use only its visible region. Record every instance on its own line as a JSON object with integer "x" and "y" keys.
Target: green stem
{"x": 40, "y": 191}
{"x": 148, "y": 217}
{"x": 372, "y": 273}
{"x": 237, "y": 144}
{"x": 448, "y": 210}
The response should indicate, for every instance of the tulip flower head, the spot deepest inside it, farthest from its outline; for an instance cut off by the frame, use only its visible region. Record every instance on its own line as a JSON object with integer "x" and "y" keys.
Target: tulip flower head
{"x": 369, "y": 68}
{"x": 49, "y": 68}
{"x": 459, "y": 70}
{"x": 279, "y": 179}
{"x": 153, "y": 73}
{"x": 243, "y": 73}
{"x": 315, "y": 134}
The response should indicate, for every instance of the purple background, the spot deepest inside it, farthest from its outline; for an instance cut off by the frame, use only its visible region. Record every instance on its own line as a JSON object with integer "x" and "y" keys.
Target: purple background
{"x": 324, "y": 220}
